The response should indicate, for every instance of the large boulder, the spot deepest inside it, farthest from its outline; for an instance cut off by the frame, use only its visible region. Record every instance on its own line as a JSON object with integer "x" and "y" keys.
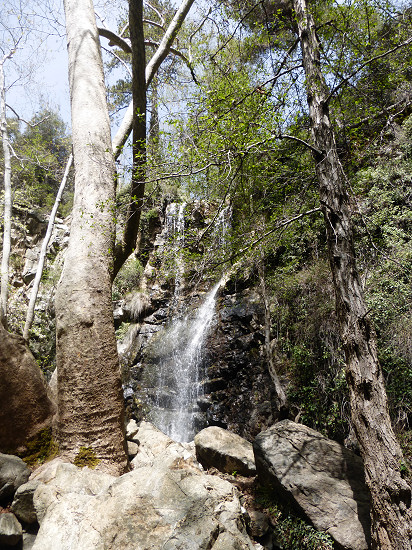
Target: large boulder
{"x": 165, "y": 502}
{"x": 323, "y": 480}
{"x": 224, "y": 450}
{"x": 13, "y": 473}
{"x": 26, "y": 408}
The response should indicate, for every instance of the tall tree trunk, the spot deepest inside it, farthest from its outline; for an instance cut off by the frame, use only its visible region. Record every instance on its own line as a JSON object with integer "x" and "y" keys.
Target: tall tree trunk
{"x": 128, "y": 243}
{"x": 43, "y": 252}
{"x": 5, "y": 257}
{"x": 382, "y": 456}
{"x": 135, "y": 116}
{"x": 90, "y": 401}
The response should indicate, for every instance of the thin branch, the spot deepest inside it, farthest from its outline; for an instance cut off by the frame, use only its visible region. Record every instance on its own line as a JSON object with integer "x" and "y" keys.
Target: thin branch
{"x": 157, "y": 12}
{"x": 177, "y": 53}
{"x": 278, "y": 226}
{"x": 379, "y": 114}
{"x": 42, "y": 258}
{"x": 119, "y": 59}
{"x": 154, "y": 24}
{"x": 25, "y": 121}
{"x": 233, "y": 33}
{"x": 294, "y": 138}
{"x": 367, "y": 62}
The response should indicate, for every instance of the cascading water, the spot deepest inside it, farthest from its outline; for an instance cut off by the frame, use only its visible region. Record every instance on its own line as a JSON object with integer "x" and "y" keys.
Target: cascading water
{"x": 179, "y": 381}
{"x": 172, "y": 359}
{"x": 175, "y": 228}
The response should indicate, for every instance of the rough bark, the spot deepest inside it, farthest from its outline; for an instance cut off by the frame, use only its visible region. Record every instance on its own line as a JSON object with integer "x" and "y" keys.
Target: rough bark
{"x": 90, "y": 401}
{"x": 382, "y": 456}
{"x": 43, "y": 251}
{"x": 7, "y": 199}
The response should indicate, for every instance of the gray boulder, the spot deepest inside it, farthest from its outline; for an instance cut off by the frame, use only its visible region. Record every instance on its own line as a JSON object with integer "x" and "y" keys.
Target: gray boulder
{"x": 323, "y": 480}
{"x": 22, "y": 506}
{"x": 13, "y": 473}
{"x": 10, "y": 529}
{"x": 224, "y": 450}
{"x": 165, "y": 502}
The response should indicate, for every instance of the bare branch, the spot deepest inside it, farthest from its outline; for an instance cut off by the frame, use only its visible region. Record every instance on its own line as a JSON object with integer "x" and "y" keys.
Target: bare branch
{"x": 126, "y": 125}
{"x": 303, "y": 142}
{"x": 154, "y": 24}
{"x": 32, "y": 125}
{"x": 115, "y": 39}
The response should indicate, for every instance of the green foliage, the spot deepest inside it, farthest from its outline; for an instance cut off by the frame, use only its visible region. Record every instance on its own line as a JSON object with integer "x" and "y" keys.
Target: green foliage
{"x": 39, "y": 449}
{"x": 86, "y": 457}
{"x": 128, "y": 278}
{"x": 291, "y": 532}
{"x": 42, "y": 148}
{"x": 122, "y": 331}
{"x": 385, "y": 247}
{"x": 308, "y": 348}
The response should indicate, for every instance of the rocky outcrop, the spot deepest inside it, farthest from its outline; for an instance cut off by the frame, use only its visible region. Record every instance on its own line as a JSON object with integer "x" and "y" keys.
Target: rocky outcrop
{"x": 239, "y": 393}
{"x": 165, "y": 502}
{"x": 26, "y": 407}
{"x": 226, "y": 451}
{"x": 22, "y": 505}
{"x": 323, "y": 480}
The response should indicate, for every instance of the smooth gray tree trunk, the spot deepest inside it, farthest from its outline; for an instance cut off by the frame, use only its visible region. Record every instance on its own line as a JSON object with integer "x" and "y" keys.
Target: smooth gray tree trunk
{"x": 43, "y": 252}
{"x": 5, "y": 257}
{"x": 381, "y": 453}
{"x": 90, "y": 401}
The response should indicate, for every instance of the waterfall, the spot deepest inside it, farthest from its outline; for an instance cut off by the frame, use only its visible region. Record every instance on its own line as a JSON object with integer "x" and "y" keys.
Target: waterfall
{"x": 179, "y": 384}
{"x": 173, "y": 360}
{"x": 175, "y": 228}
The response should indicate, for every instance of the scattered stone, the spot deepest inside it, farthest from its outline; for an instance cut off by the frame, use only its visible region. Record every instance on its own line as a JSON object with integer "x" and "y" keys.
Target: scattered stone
{"x": 131, "y": 429}
{"x": 132, "y": 449}
{"x": 322, "y": 479}
{"x": 10, "y": 529}
{"x": 224, "y": 450}
{"x": 22, "y": 505}
{"x": 13, "y": 473}
{"x": 259, "y": 523}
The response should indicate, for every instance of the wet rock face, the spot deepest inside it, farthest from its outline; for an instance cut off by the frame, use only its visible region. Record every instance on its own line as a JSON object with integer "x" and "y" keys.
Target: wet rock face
{"x": 238, "y": 386}
{"x": 238, "y": 393}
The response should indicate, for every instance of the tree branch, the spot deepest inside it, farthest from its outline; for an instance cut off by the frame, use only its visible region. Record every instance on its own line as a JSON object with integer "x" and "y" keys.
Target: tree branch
{"x": 115, "y": 39}
{"x": 375, "y": 58}
{"x": 294, "y": 138}
{"x": 126, "y": 125}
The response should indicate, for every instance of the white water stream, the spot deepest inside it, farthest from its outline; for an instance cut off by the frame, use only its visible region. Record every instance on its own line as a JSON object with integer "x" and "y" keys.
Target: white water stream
{"x": 179, "y": 376}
